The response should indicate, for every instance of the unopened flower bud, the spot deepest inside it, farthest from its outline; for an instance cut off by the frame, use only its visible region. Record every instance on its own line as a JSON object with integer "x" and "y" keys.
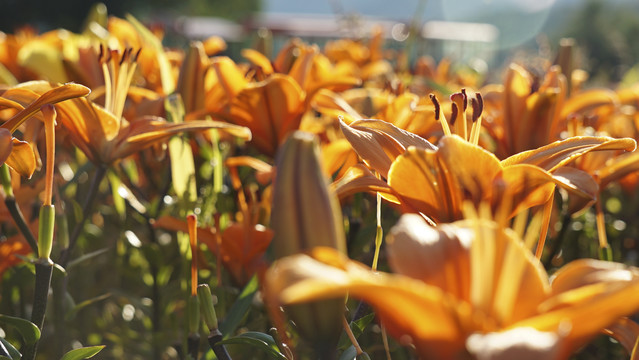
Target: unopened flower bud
{"x": 307, "y": 215}
{"x": 206, "y": 306}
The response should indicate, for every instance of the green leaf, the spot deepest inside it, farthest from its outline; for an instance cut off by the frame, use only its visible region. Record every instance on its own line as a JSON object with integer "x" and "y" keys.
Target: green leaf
{"x": 258, "y": 340}
{"x": 86, "y": 257}
{"x": 71, "y": 314}
{"x": 357, "y": 327}
{"x": 118, "y": 200}
{"x": 349, "y": 354}
{"x": 182, "y": 169}
{"x": 30, "y": 333}
{"x": 83, "y": 353}
{"x": 240, "y": 308}
{"x": 10, "y": 350}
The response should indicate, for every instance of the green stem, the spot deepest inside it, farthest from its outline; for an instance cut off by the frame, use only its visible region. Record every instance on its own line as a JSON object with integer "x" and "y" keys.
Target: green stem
{"x": 44, "y": 269}
{"x": 86, "y": 209}
{"x": 17, "y": 216}
{"x": 220, "y": 350}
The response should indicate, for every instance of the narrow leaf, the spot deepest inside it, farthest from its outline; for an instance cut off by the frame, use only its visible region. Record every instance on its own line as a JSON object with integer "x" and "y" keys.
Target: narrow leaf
{"x": 257, "y": 340}
{"x": 83, "y": 353}
{"x": 240, "y": 308}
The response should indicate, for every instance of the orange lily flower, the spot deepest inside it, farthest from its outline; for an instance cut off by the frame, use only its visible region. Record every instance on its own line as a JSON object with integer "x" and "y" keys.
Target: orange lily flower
{"x": 436, "y": 180}
{"x": 102, "y": 133}
{"x": 468, "y": 290}
{"x": 527, "y": 112}
{"x": 241, "y": 258}
{"x": 274, "y": 104}
{"x": 18, "y": 154}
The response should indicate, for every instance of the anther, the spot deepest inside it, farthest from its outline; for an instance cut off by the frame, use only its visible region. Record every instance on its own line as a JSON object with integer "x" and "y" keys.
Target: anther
{"x": 453, "y": 115}
{"x": 433, "y": 98}
{"x": 465, "y": 97}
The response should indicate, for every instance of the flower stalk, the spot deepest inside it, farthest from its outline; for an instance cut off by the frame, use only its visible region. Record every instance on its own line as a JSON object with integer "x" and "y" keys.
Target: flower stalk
{"x": 44, "y": 265}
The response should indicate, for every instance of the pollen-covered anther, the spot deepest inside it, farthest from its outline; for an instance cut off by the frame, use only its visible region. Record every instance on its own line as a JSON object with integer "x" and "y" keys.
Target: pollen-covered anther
{"x": 453, "y": 114}
{"x": 433, "y": 98}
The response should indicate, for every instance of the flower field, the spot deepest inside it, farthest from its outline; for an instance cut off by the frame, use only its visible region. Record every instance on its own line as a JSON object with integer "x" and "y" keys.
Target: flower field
{"x": 342, "y": 201}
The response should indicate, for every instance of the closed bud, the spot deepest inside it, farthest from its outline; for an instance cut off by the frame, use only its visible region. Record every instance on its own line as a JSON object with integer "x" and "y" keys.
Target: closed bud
{"x": 191, "y": 81}
{"x": 206, "y": 306}
{"x": 45, "y": 231}
{"x": 305, "y": 215}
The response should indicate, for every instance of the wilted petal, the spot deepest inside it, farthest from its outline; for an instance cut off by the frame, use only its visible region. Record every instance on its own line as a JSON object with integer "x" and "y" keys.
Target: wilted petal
{"x": 22, "y": 158}
{"x": 518, "y": 343}
{"x": 559, "y": 153}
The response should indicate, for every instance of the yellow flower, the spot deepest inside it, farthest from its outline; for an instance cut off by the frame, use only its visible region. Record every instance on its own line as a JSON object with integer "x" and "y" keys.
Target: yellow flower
{"x": 468, "y": 290}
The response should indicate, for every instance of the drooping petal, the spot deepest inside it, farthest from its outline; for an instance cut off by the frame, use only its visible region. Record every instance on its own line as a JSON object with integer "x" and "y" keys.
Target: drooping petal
{"x": 54, "y": 95}
{"x": 559, "y": 153}
{"x": 22, "y": 158}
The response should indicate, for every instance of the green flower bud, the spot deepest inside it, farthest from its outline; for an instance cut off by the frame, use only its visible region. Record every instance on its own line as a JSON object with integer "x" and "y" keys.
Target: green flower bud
{"x": 45, "y": 233}
{"x": 305, "y": 215}
{"x": 206, "y": 306}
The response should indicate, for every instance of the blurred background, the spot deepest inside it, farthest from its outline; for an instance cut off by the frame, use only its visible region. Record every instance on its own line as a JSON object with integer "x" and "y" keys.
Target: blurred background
{"x": 482, "y": 33}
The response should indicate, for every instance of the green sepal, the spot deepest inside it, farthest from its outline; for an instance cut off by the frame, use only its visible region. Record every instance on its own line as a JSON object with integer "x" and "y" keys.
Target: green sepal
{"x": 45, "y": 233}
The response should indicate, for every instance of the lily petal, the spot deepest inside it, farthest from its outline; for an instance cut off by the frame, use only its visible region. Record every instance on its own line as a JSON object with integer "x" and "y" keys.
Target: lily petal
{"x": 22, "y": 158}
{"x": 559, "y": 153}
{"x": 55, "y": 95}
